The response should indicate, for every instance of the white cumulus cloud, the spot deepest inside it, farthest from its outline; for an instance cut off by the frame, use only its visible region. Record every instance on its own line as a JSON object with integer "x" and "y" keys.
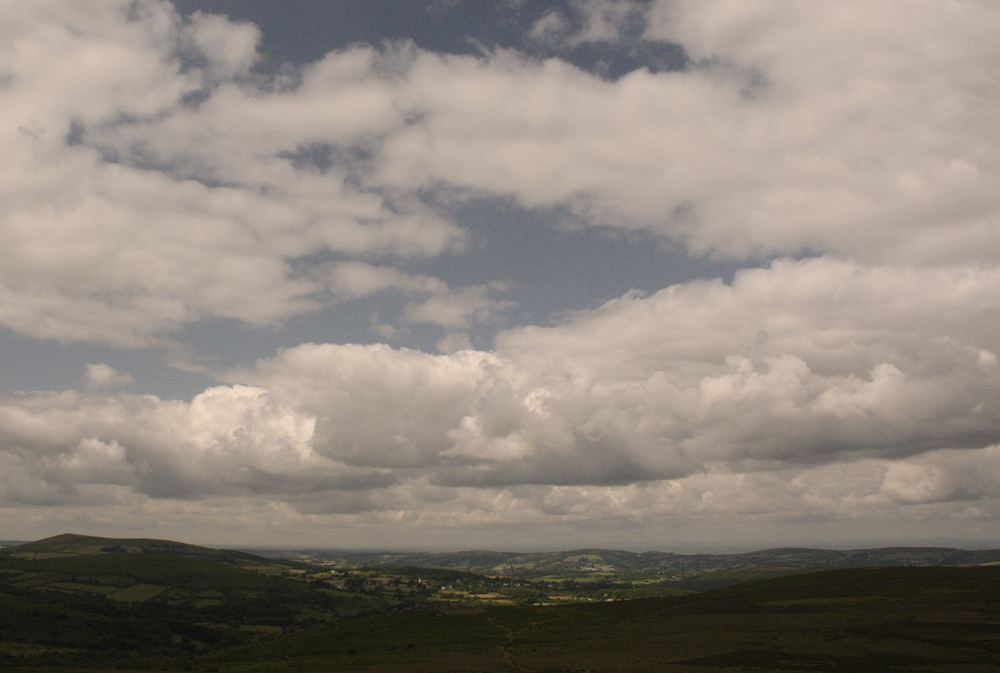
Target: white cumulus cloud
{"x": 153, "y": 179}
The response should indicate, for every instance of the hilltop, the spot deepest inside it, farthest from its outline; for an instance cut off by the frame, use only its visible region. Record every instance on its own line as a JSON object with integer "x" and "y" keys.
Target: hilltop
{"x": 70, "y": 544}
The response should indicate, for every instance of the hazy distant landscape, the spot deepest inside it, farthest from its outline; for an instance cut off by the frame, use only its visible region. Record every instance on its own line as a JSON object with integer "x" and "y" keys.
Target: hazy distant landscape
{"x": 89, "y": 603}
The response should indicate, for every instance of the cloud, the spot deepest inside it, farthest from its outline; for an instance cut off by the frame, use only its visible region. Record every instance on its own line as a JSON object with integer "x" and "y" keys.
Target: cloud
{"x": 944, "y": 476}
{"x": 352, "y": 280}
{"x": 229, "y": 49}
{"x": 230, "y": 440}
{"x": 440, "y": 305}
{"x": 824, "y": 382}
{"x": 102, "y": 377}
{"x": 457, "y": 310}
{"x": 845, "y": 130}
{"x": 152, "y": 179}
{"x": 589, "y": 21}
{"x": 454, "y": 341}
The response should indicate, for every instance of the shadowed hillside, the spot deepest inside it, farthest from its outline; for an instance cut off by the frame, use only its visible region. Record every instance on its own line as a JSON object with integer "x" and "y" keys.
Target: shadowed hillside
{"x": 85, "y": 601}
{"x": 89, "y": 604}
{"x": 862, "y": 621}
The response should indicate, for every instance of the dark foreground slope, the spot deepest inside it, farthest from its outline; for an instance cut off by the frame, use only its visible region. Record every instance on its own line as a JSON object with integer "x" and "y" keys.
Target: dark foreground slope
{"x": 76, "y": 601}
{"x": 878, "y": 620}
{"x": 156, "y": 610}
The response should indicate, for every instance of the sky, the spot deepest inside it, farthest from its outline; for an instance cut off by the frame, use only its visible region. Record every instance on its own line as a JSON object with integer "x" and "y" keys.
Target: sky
{"x": 509, "y": 274}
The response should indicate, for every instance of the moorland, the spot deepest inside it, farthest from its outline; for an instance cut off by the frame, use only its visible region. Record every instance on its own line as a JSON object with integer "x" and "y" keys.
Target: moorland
{"x": 85, "y": 603}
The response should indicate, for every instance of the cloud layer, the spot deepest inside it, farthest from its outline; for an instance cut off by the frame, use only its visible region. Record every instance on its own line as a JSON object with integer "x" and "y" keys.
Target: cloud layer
{"x": 153, "y": 178}
{"x": 763, "y": 390}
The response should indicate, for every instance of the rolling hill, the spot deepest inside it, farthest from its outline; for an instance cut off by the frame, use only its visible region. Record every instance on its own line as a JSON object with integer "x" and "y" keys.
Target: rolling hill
{"x": 95, "y": 604}
{"x": 83, "y": 601}
{"x": 517, "y": 564}
{"x": 904, "y": 620}
{"x": 69, "y": 545}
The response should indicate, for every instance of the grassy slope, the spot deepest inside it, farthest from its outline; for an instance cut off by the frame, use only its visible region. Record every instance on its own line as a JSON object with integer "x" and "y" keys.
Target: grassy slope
{"x": 191, "y": 611}
{"x": 888, "y": 619}
{"x": 146, "y": 607}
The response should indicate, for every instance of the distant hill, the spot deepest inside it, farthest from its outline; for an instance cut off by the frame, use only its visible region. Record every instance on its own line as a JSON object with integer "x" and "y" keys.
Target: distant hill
{"x": 666, "y": 564}
{"x": 70, "y": 545}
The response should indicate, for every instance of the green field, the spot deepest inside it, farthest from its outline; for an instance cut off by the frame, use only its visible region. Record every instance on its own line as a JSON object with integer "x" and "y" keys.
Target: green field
{"x": 888, "y": 619}
{"x": 146, "y": 611}
{"x": 150, "y": 608}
